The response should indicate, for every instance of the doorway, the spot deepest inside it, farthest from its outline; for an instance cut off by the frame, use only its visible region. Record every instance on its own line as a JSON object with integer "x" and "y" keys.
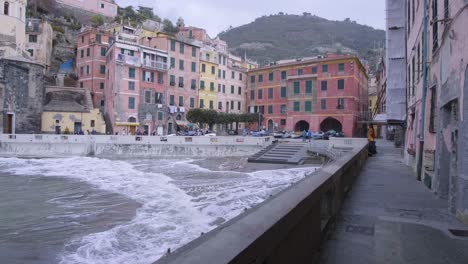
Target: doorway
{"x": 132, "y": 130}
{"x": 77, "y": 127}
{"x": 10, "y": 123}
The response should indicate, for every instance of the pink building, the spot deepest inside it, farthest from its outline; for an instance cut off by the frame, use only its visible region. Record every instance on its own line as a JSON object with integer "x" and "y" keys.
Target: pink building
{"x": 183, "y": 78}
{"x": 319, "y": 94}
{"x": 135, "y": 92}
{"x": 91, "y": 62}
{"x": 107, "y": 8}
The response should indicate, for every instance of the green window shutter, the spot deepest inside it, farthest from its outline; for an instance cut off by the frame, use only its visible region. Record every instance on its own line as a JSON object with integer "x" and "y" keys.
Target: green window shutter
{"x": 103, "y": 51}
{"x": 308, "y": 87}
{"x": 252, "y": 95}
{"x": 172, "y": 63}
{"x": 194, "y": 66}
{"x": 340, "y": 84}
{"x": 283, "y": 75}
{"x": 297, "y": 87}
{"x": 271, "y": 76}
{"x": 314, "y": 70}
{"x": 324, "y": 85}
{"x": 101, "y": 86}
{"x": 260, "y": 78}
{"x": 160, "y": 77}
{"x": 297, "y": 106}
{"x": 212, "y": 87}
{"x": 160, "y": 116}
{"x": 147, "y": 97}
{"x": 194, "y": 52}
{"x": 308, "y": 106}
{"x": 270, "y": 93}
{"x": 252, "y": 79}
{"x": 325, "y": 68}
{"x": 172, "y": 45}
{"x": 323, "y": 104}
{"x": 131, "y": 103}
{"x": 270, "y": 109}
{"x": 181, "y": 47}
{"x": 283, "y": 92}
{"x": 181, "y": 65}
{"x": 232, "y": 89}
{"x": 202, "y": 84}
{"x": 341, "y": 67}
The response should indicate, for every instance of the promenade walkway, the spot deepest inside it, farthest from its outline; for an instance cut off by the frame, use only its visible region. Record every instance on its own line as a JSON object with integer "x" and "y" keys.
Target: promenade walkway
{"x": 390, "y": 217}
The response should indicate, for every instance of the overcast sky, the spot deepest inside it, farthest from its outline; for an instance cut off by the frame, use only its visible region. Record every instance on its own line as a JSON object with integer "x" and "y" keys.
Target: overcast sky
{"x": 217, "y": 15}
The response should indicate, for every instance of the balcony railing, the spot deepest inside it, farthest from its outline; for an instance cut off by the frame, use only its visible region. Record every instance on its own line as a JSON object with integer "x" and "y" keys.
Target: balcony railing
{"x": 158, "y": 65}
{"x": 128, "y": 59}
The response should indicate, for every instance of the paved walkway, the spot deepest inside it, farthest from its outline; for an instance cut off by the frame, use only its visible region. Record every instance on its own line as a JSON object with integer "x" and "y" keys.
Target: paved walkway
{"x": 390, "y": 217}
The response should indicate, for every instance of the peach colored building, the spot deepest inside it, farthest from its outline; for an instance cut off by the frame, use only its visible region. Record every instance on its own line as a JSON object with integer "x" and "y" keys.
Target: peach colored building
{"x": 107, "y": 8}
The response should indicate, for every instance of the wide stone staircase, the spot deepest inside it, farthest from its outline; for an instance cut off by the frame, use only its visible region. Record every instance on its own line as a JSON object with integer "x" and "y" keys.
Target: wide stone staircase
{"x": 282, "y": 153}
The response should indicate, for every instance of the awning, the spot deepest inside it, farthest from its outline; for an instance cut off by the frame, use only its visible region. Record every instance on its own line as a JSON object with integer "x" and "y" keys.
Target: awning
{"x": 182, "y": 123}
{"x": 126, "y": 124}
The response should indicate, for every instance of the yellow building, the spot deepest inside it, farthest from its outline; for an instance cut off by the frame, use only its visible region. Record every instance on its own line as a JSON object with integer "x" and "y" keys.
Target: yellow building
{"x": 74, "y": 121}
{"x": 209, "y": 71}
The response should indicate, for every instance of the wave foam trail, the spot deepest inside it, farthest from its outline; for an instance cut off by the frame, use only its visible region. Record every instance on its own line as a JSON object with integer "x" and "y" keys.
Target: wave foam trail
{"x": 167, "y": 218}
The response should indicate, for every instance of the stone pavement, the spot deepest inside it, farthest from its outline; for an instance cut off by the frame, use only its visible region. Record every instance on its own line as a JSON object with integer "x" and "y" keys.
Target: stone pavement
{"x": 390, "y": 217}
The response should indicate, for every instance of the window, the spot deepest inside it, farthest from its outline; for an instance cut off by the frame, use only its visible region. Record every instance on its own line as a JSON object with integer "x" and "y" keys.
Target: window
{"x": 297, "y": 106}
{"x": 308, "y": 106}
{"x": 131, "y": 85}
{"x": 219, "y": 87}
{"x": 435, "y": 26}
{"x": 252, "y": 95}
{"x": 171, "y": 100}
{"x": 82, "y": 39}
{"x": 88, "y": 52}
{"x": 202, "y": 85}
{"x": 81, "y": 84}
{"x": 446, "y": 9}
{"x": 325, "y": 68}
{"x": 300, "y": 72}
{"x": 213, "y": 70}
{"x": 98, "y": 38}
{"x": 308, "y": 87}
{"x": 283, "y": 75}
{"x": 271, "y": 76}
{"x": 102, "y": 103}
{"x": 261, "y": 109}
{"x": 340, "y": 103}
{"x": 103, "y": 51}
{"x": 102, "y": 69}
{"x": 283, "y": 122}
{"x": 232, "y": 105}
{"x": 87, "y": 69}
{"x": 212, "y": 86}
{"x": 194, "y": 52}
{"x": 101, "y": 86}
{"x": 252, "y": 79}
{"x": 224, "y": 88}
{"x": 172, "y": 80}
{"x": 160, "y": 116}
{"x": 181, "y": 82}
{"x": 160, "y": 78}
{"x": 203, "y": 68}
{"x": 181, "y": 101}
{"x": 219, "y": 73}
{"x": 147, "y": 97}
{"x": 181, "y": 65}
{"x": 324, "y": 85}
{"x": 158, "y": 98}
{"x": 181, "y": 48}
{"x": 297, "y": 87}
{"x": 81, "y": 71}
{"x": 147, "y": 76}
{"x": 211, "y": 104}
{"x": 240, "y": 76}
{"x": 224, "y": 74}
{"x": 194, "y": 67}
{"x": 131, "y": 73}
{"x": 260, "y": 78}
{"x": 131, "y": 103}
{"x": 270, "y": 109}
{"x": 193, "y": 84}
{"x": 82, "y": 53}
{"x": 31, "y": 52}
{"x": 192, "y": 102}
{"x": 102, "y": 5}
{"x": 283, "y": 92}
{"x": 340, "y": 84}
{"x": 419, "y": 61}
{"x": 260, "y": 94}
{"x": 341, "y": 67}
{"x": 239, "y": 90}
{"x": 314, "y": 70}
{"x": 172, "y": 45}
{"x": 239, "y": 106}
{"x": 323, "y": 104}
{"x": 409, "y": 17}
{"x": 220, "y": 105}
{"x": 33, "y": 38}
{"x": 233, "y": 75}
{"x": 283, "y": 109}
{"x": 6, "y": 8}
{"x": 433, "y": 110}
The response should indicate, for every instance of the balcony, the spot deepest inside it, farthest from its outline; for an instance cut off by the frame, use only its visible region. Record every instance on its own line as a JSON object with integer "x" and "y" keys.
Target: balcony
{"x": 157, "y": 65}
{"x": 128, "y": 59}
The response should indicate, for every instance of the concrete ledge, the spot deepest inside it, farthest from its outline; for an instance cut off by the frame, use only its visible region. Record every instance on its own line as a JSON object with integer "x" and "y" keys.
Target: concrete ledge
{"x": 287, "y": 228}
{"x": 128, "y": 146}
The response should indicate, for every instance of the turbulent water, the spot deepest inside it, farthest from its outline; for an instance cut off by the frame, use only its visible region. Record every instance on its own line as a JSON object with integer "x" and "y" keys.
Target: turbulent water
{"x": 90, "y": 210}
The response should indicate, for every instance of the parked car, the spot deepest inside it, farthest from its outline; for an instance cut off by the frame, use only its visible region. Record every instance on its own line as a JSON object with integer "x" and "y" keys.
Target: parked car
{"x": 278, "y": 134}
{"x": 261, "y": 133}
{"x": 233, "y": 132}
{"x": 210, "y": 134}
{"x": 287, "y": 134}
{"x": 296, "y": 135}
{"x": 318, "y": 135}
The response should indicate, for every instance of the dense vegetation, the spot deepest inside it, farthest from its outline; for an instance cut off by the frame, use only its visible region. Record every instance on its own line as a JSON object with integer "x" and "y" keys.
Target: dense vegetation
{"x": 275, "y": 37}
{"x": 211, "y": 117}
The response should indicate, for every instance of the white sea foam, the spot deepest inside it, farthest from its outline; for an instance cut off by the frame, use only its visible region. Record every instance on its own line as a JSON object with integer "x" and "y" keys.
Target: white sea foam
{"x": 175, "y": 209}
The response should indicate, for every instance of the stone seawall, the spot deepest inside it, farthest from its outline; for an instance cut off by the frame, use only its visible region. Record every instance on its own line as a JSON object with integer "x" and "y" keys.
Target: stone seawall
{"x": 128, "y": 146}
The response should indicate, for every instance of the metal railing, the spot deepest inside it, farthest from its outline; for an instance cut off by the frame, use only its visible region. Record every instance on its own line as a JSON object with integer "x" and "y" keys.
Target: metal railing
{"x": 158, "y": 65}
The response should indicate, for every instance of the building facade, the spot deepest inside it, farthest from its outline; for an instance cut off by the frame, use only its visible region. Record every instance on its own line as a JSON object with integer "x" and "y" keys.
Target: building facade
{"x": 39, "y": 36}
{"x": 107, "y": 8}
{"x": 319, "y": 94}
{"x": 91, "y": 62}
{"x": 210, "y": 73}
{"x": 13, "y": 29}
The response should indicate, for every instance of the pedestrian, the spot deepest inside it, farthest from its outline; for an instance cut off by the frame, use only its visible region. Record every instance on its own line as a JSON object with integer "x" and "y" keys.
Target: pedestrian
{"x": 371, "y": 139}
{"x": 309, "y": 135}
{"x": 304, "y": 136}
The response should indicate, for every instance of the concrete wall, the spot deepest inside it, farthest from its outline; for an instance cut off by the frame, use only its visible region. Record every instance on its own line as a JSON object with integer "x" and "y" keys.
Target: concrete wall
{"x": 128, "y": 146}
{"x": 287, "y": 228}
{"x": 102, "y": 7}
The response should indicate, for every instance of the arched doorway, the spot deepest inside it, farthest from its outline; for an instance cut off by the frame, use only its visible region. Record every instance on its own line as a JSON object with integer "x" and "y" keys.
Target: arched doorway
{"x": 270, "y": 125}
{"x": 331, "y": 123}
{"x": 302, "y": 125}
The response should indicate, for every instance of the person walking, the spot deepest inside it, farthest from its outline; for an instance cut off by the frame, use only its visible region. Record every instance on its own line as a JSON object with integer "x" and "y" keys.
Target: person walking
{"x": 304, "y": 136}
{"x": 371, "y": 139}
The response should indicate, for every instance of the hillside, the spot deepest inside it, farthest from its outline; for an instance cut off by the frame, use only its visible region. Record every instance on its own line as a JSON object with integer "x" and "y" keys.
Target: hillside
{"x": 275, "y": 37}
